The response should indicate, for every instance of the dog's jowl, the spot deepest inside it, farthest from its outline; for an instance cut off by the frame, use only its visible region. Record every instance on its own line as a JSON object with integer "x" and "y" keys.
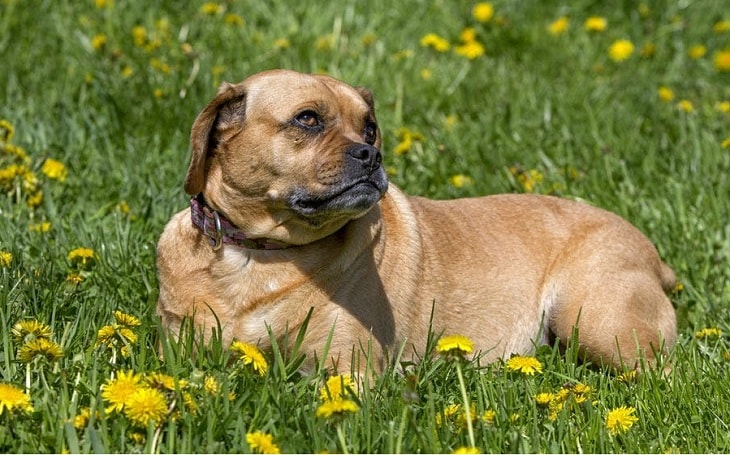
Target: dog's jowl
{"x": 292, "y": 212}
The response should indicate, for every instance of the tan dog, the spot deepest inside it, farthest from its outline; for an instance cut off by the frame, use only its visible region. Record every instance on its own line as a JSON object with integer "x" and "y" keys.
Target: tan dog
{"x": 293, "y": 212}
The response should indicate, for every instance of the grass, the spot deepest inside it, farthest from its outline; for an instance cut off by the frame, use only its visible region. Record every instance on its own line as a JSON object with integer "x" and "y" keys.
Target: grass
{"x": 537, "y": 112}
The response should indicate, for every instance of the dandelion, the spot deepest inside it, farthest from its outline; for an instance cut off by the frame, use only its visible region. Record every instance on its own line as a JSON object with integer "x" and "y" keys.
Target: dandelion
{"x": 470, "y": 50}
{"x": 145, "y": 405}
{"x": 126, "y": 320}
{"x": 466, "y": 450}
{"x": 234, "y": 20}
{"x": 620, "y": 420}
{"x": 686, "y": 106}
{"x": 489, "y": 416}
{"x": 282, "y": 43}
{"x": 621, "y": 50}
{"x": 35, "y": 199}
{"x": 74, "y": 278}
{"x": 697, "y": 52}
{"x": 559, "y": 26}
{"x": 336, "y": 388}
{"x": 723, "y": 106}
{"x": 454, "y": 344}
{"x": 710, "y": 332}
{"x": 544, "y": 398}
{"x": 117, "y": 391}
{"x": 628, "y": 377}
{"x": 665, "y": 94}
{"x": 211, "y": 9}
{"x": 12, "y": 398}
{"x": 426, "y": 74}
{"x": 163, "y": 381}
{"x": 726, "y": 143}
{"x": 40, "y": 347}
{"x": 722, "y": 60}
{"x": 81, "y": 419}
{"x": 261, "y": 442}
{"x": 98, "y": 42}
{"x": 721, "y": 26}
{"x": 448, "y": 413}
{"x": 460, "y": 180}
{"x": 483, "y": 12}
{"x": 7, "y": 131}
{"x": 339, "y": 407}
{"x": 435, "y": 42}
{"x": 6, "y": 257}
{"x": 127, "y": 71}
{"x": 139, "y": 35}
{"x": 249, "y": 354}
{"x": 525, "y": 365}
{"x": 101, "y": 4}
{"x": 210, "y": 385}
{"x": 407, "y": 139}
{"x": 54, "y": 169}
{"x": 648, "y": 50}
{"x": 595, "y": 24}
{"x": 41, "y": 227}
{"x": 28, "y": 330}
{"x": 81, "y": 257}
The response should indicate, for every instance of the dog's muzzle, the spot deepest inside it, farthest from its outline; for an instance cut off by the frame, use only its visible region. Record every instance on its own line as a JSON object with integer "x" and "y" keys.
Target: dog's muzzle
{"x": 361, "y": 183}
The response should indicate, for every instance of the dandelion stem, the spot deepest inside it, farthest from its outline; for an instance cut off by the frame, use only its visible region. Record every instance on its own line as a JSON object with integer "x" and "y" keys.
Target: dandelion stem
{"x": 401, "y": 430}
{"x": 341, "y": 436}
{"x": 467, "y": 405}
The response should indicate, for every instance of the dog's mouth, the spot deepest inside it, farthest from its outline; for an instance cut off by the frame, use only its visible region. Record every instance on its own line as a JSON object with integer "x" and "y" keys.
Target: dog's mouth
{"x": 351, "y": 199}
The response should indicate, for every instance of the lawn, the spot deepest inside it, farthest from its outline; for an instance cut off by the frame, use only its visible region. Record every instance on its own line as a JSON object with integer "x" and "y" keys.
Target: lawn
{"x": 620, "y": 104}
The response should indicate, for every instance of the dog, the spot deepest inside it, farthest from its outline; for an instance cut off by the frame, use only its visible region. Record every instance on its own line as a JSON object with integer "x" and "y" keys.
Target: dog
{"x": 293, "y": 221}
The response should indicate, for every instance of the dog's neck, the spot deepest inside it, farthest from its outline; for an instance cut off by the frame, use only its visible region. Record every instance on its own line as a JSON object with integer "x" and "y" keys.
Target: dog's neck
{"x": 220, "y": 230}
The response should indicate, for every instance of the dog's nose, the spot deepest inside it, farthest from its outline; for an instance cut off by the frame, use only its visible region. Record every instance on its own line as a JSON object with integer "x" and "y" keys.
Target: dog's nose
{"x": 368, "y": 155}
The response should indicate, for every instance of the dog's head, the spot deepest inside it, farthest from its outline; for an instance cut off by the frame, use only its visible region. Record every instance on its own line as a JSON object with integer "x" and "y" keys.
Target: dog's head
{"x": 288, "y": 156}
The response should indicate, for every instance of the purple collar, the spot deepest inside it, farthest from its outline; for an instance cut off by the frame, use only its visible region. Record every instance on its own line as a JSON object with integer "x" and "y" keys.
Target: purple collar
{"x": 221, "y": 230}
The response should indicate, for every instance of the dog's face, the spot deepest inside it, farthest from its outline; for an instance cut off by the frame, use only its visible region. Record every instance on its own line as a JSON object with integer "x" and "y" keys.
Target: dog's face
{"x": 288, "y": 156}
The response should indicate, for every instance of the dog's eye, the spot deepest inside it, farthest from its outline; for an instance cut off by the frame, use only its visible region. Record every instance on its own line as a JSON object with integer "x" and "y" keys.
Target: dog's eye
{"x": 371, "y": 132}
{"x": 308, "y": 119}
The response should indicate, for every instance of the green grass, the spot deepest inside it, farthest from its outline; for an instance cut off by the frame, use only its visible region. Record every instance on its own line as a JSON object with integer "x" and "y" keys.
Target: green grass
{"x": 555, "y": 108}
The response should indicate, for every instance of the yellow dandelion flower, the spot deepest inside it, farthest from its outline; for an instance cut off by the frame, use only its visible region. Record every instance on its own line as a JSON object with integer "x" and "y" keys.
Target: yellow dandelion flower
{"x": 665, "y": 94}
{"x": 28, "y": 330}
{"x": 261, "y": 442}
{"x": 455, "y": 344}
{"x": 106, "y": 335}
{"x": 460, "y": 180}
{"x": 101, "y": 4}
{"x": 282, "y": 43}
{"x": 435, "y": 42}
{"x": 210, "y": 385}
{"x": 488, "y": 416}
{"x": 325, "y": 43}
{"x": 722, "y": 60}
{"x": 126, "y": 320}
{"x": 6, "y": 257}
{"x": 117, "y": 391}
{"x": 468, "y": 34}
{"x": 12, "y": 398}
{"x": 726, "y": 143}
{"x": 163, "y": 381}
{"x": 211, "y": 9}
{"x": 81, "y": 257}
{"x": 127, "y": 71}
{"x": 721, "y": 26}
{"x": 145, "y": 405}
{"x": 339, "y": 407}
{"x": 426, "y": 74}
{"x": 621, "y": 50}
{"x": 582, "y": 389}
{"x": 723, "y": 106}
{"x": 40, "y": 347}
{"x": 648, "y": 50}
{"x": 686, "y": 106}
{"x": 470, "y": 50}
{"x": 448, "y": 413}
{"x": 620, "y": 420}
{"x": 54, "y": 169}
{"x": 595, "y": 24}
{"x": 98, "y": 42}
{"x": 697, "y": 52}
{"x": 559, "y": 26}
{"x": 35, "y": 199}
{"x": 466, "y": 450}
{"x": 81, "y": 419}
{"x": 710, "y": 332}
{"x": 234, "y": 20}
{"x": 525, "y": 365}
{"x": 249, "y": 354}
{"x": 43, "y": 226}
{"x": 7, "y": 131}
{"x": 337, "y": 388}
{"x": 139, "y": 35}
{"x": 483, "y": 12}
{"x": 74, "y": 278}
{"x": 544, "y": 398}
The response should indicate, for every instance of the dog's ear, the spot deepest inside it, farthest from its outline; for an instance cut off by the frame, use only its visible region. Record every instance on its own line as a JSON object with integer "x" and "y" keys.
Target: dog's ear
{"x": 226, "y": 110}
{"x": 367, "y": 95}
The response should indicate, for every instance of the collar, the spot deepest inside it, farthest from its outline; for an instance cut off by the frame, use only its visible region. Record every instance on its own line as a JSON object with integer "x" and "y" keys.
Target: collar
{"x": 220, "y": 230}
